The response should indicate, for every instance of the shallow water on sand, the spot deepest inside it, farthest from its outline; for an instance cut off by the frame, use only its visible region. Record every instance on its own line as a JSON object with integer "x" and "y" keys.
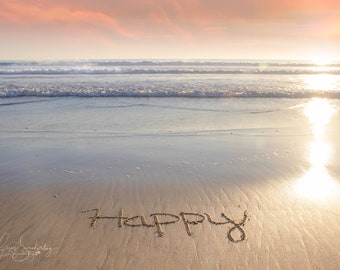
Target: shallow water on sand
{"x": 267, "y": 157}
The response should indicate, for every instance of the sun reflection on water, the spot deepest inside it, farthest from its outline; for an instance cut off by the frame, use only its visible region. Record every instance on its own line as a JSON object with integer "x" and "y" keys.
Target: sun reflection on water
{"x": 323, "y": 82}
{"x": 319, "y": 112}
{"x": 317, "y": 183}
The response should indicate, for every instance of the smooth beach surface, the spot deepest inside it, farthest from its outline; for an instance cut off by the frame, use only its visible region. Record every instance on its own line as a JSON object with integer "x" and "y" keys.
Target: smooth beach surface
{"x": 169, "y": 183}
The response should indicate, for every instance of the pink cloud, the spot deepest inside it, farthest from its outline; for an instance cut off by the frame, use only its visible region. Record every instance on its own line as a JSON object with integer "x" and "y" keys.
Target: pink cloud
{"x": 20, "y": 14}
{"x": 168, "y": 25}
{"x": 165, "y": 18}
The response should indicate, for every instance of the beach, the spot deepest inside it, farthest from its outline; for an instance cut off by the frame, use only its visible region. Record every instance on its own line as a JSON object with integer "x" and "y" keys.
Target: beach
{"x": 169, "y": 183}
{"x": 161, "y": 135}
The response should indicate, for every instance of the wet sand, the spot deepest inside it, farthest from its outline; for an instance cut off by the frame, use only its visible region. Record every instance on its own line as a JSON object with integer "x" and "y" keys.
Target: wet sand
{"x": 232, "y": 194}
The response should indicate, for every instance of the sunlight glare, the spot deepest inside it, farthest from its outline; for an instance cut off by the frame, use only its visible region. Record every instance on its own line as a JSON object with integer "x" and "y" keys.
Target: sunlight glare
{"x": 319, "y": 153}
{"x": 319, "y": 112}
{"x": 322, "y": 59}
{"x": 317, "y": 183}
{"x": 321, "y": 82}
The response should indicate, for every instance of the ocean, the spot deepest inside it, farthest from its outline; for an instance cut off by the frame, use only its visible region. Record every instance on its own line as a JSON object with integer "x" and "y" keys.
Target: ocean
{"x": 165, "y": 78}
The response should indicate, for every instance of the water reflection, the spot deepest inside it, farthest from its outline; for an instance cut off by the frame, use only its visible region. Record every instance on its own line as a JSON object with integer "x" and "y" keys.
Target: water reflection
{"x": 323, "y": 82}
{"x": 319, "y": 111}
{"x": 317, "y": 183}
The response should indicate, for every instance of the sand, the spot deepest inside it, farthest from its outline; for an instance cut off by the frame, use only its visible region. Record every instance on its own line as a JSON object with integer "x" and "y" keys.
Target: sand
{"x": 151, "y": 184}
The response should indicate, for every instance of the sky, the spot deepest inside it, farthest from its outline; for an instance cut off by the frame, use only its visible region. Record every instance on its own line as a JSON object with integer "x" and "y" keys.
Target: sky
{"x": 169, "y": 29}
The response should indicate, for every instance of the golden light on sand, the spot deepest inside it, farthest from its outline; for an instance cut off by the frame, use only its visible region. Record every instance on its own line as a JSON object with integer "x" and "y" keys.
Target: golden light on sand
{"x": 317, "y": 183}
{"x": 319, "y": 153}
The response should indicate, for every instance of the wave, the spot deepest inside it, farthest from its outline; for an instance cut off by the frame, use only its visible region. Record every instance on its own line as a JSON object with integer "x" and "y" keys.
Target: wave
{"x": 151, "y": 78}
{"x": 94, "y": 67}
{"x": 166, "y": 71}
{"x": 20, "y": 102}
{"x": 164, "y": 94}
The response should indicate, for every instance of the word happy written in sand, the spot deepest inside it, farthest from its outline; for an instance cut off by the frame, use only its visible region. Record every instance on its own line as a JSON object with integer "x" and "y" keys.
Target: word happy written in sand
{"x": 159, "y": 220}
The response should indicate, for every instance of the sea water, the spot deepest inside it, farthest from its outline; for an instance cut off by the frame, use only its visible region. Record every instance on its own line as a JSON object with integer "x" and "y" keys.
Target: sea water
{"x": 159, "y": 97}
{"x": 151, "y": 113}
{"x": 164, "y": 78}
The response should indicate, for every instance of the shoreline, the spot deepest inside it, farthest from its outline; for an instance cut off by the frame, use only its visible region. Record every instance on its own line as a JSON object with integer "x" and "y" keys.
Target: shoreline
{"x": 160, "y": 198}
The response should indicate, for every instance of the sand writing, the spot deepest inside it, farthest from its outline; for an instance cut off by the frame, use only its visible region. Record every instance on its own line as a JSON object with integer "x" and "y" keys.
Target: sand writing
{"x": 21, "y": 252}
{"x": 159, "y": 220}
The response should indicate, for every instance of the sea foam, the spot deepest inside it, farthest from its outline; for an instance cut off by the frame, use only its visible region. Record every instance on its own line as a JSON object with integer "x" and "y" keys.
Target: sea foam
{"x": 179, "y": 78}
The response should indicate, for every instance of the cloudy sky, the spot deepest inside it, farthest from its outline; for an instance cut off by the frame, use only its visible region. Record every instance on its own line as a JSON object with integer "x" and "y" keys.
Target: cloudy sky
{"x": 270, "y": 29}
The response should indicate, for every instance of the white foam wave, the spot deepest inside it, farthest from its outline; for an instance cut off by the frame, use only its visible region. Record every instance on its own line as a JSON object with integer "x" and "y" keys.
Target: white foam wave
{"x": 166, "y": 93}
{"x": 149, "y": 78}
{"x": 163, "y": 67}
